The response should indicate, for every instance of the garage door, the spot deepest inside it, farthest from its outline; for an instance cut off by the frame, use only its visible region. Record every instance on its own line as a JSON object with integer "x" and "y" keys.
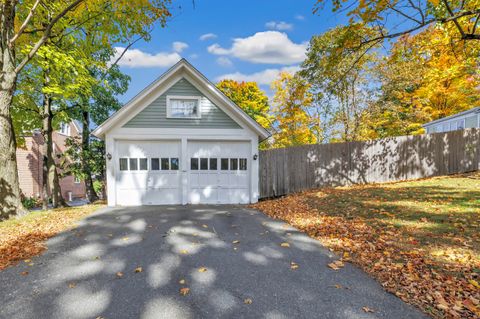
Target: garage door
{"x": 148, "y": 173}
{"x": 218, "y": 172}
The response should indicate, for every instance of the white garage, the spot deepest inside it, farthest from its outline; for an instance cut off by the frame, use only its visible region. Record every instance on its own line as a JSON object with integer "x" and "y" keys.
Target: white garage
{"x": 181, "y": 141}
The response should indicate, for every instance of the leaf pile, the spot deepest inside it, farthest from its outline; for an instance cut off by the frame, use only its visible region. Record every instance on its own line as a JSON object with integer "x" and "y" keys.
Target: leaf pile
{"x": 419, "y": 239}
{"x": 25, "y": 237}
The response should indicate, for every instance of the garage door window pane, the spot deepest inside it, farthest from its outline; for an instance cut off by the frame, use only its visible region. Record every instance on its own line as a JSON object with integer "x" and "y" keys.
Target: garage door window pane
{"x": 134, "y": 164}
{"x": 143, "y": 164}
{"x": 213, "y": 164}
{"x": 194, "y": 163}
{"x": 243, "y": 164}
{"x": 174, "y": 163}
{"x": 165, "y": 164}
{"x": 233, "y": 164}
{"x": 204, "y": 164}
{"x": 155, "y": 164}
{"x": 224, "y": 164}
{"x": 124, "y": 164}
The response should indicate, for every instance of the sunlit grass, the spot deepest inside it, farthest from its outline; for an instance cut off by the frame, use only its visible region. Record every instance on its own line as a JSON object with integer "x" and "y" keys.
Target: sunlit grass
{"x": 442, "y": 214}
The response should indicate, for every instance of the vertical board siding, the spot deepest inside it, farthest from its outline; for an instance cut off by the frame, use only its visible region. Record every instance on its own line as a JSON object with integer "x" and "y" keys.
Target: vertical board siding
{"x": 155, "y": 115}
{"x": 293, "y": 169}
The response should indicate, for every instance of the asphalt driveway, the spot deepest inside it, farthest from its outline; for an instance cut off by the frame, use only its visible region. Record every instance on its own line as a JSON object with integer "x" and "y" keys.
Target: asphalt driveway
{"x": 252, "y": 278}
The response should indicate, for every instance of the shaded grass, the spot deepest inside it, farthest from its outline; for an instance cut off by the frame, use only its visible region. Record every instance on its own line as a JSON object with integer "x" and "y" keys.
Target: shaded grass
{"x": 23, "y": 238}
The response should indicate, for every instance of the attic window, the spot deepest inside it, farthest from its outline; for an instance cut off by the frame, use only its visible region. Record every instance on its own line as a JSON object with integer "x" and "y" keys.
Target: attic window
{"x": 183, "y": 107}
{"x": 65, "y": 129}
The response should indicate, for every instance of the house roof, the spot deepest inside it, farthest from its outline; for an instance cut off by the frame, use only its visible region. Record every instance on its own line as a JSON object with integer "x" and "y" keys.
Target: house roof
{"x": 471, "y": 111}
{"x": 183, "y": 64}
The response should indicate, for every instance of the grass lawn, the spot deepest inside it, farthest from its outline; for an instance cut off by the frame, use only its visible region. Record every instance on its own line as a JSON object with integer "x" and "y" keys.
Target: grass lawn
{"x": 23, "y": 238}
{"x": 420, "y": 239}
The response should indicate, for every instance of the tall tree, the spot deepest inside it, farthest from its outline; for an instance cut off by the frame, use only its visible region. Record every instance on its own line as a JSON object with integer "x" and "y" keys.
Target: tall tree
{"x": 250, "y": 98}
{"x": 423, "y": 78}
{"x": 96, "y": 107}
{"x": 291, "y": 101}
{"x": 25, "y": 26}
{"x": 340, "y": 79}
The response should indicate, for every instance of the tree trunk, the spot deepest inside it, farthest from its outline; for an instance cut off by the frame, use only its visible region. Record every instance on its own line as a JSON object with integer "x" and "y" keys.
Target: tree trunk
{"x": 47, "y": 149}
{"x": 51, "y": 183}
{"x": 10, "y": 199}
{"x": 91, "y": 194}
{"x": 54, "y": 180}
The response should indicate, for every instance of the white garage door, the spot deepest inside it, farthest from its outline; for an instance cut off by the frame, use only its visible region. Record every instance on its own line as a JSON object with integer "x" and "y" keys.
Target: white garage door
{"x": 218, "y": 172}
{"x": 148, "y": 173}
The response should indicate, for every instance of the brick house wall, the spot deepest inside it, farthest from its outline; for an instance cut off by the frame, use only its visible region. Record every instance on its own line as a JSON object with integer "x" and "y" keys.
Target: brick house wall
{"x": 30, "y": 163}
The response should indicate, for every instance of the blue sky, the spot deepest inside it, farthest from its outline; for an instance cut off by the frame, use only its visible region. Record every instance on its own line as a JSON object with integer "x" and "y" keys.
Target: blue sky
{"x": 244, "y": 40}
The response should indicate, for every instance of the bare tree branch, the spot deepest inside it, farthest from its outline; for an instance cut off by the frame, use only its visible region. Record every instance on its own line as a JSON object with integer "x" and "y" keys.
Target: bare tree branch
{"x": 25, "y": 23}
{"x": 46, "y": 35}
{"x": 457, "y": 24}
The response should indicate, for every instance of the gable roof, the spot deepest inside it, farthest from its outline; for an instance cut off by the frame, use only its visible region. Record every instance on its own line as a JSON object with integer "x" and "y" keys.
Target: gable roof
{"x": 182, "y": 65}
{"x": 474, "y": 110}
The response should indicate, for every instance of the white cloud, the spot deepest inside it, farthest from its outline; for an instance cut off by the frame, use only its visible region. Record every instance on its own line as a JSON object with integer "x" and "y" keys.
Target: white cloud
{"x": 135, "y": 58}
{"x": 299, "y": 17}
{"x": 265, "y": 77}
{"x": 207, "y": 36}
{"x": 224, "y": 61}
{"x": 271, "y": 47}
{"x": 178, "y": 46}
{"x": 279, "y": 25}
{"x": 193, "y": 56}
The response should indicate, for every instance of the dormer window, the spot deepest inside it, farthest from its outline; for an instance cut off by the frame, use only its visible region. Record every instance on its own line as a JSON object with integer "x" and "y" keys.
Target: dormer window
{"x": 65, "y": 129}
{"x": 183, "y": 107}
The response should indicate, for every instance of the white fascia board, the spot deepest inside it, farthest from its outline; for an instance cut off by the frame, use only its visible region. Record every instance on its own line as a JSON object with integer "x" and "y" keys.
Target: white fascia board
{"x": 184, "y": 69}
{"x": 130, "y": 106}
{"x": 262, "y": 132}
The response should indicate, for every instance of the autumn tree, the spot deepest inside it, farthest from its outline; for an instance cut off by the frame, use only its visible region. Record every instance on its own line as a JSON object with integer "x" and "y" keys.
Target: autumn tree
{"x": 339, "y": 79}
{"x": 423, "y": 78}
{"x": 249, "y": 97}
{"x": 394, "y": 18}
{"x": 291, "y": 102}
{"x": 26, "y": 27}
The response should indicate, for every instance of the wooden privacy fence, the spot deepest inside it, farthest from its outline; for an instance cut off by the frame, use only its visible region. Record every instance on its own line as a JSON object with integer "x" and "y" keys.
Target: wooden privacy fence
{"x": 287, "y": 170}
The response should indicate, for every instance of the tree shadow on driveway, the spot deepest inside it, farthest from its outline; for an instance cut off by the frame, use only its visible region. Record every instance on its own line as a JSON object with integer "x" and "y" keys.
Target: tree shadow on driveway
{"x": 78, "y": 277}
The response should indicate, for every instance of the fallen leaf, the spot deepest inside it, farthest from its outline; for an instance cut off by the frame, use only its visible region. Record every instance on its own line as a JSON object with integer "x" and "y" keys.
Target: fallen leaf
{"x": 72, "y": 285}
{"x": 119, "y": 274}
{"x": 235, "y": 241}
{"x": 474, "y": 283}
{"x": 338, "y": 286}
{"x": 286, "y": 245}
{"x": 182, "y": 282}
{"x": 184, "y": 251}
{"x": 336, "y": 265}
{"x": 125, "y": 238}
{"x": 138, "y": 269}
{"x": 24, "y": 273}
{"x": 366, "y": 309}
{"x": 247, "y": 301}
{"x": 202, "y": 269}
{"x": 27, "y": 261}
{"x": 184, "y": 291}
{"x": 205, "y": 226}
{"x": 293, "y": 265}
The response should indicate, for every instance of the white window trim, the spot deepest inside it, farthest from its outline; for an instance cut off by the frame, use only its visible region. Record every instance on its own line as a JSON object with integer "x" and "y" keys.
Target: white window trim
{"x": 68, "y": 129}
{"x": 184, "y": 97}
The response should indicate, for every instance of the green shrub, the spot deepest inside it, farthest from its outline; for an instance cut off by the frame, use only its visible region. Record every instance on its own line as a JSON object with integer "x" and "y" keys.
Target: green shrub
{"x": 30, "y": 202}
